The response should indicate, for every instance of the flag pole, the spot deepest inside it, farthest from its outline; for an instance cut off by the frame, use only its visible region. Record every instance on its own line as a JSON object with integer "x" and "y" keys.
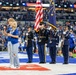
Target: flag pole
{"x": 54, "y": 27}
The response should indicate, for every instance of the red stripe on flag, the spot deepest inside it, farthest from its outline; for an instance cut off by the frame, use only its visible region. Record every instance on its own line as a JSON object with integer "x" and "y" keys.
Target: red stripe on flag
{"x": 39, "y": 15}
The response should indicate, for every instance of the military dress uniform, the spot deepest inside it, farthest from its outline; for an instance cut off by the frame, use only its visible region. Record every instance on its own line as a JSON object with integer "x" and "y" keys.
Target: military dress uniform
{"x": 29, "y": 46}
{"x": 53, "y": 41}
{"x": 41, "y": 44}
{"x": 65, "y": 47}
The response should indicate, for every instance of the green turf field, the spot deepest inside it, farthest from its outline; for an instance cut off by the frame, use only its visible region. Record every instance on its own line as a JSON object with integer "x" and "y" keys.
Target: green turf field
{"x": 74, "y": 55}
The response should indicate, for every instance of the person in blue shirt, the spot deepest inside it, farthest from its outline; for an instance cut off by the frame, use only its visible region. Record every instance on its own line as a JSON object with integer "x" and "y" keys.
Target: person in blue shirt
{"x": 14, "y": 45}
{"x": 71, "y": 43}
{"x": 14, "y": 40}
{"x": 7, "y": 29}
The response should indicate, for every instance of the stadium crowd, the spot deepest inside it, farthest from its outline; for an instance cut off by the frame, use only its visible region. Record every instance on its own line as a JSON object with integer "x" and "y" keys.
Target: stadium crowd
{"x": 23, "y": 28}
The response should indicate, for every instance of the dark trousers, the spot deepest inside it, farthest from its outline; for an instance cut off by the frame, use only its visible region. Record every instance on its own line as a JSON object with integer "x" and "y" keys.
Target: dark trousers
{"x": 52, "y": 53}
{"x": 29, "y": 53}
{"x": 34, "y": 45}
{"x": 41, "y": 52}
{"x": 65, "y": 51}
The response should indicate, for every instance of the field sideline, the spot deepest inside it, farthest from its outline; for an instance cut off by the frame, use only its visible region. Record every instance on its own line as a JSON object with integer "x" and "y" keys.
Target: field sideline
{"x": 46, "y": 69}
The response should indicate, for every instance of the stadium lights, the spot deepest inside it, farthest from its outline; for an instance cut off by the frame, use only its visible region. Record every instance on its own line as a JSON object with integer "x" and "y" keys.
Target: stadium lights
{"x": 59, "y": 6}
{"x": 0, "y": 3}
{"x": 17, "y": 4}
{"x": 65, "y": 6}
{"x": 56, "y": 5}
{"x": 11, "y": 4}
{"x": 71, "y": 5}
{"x": 23, "y": 4}
{"x": 14, "y": 4}
{"x": 7, "y": 3}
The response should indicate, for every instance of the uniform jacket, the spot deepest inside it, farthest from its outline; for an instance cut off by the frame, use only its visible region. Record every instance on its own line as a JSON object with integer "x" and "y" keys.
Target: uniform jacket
{"x": 42, "y": 36}
{"x": 53, "y": 39}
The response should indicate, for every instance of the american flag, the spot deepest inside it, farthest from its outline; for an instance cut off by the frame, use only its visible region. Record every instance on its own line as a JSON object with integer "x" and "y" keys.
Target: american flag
{"x": 39, "y": 14}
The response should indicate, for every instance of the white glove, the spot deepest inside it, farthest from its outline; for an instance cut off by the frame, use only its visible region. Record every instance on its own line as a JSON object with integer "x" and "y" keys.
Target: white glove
{"x": 25, "y": 40}
{"x": 35, "y": 37}
{"x": 64, "y": 32}
{"x": 26, "y": 34}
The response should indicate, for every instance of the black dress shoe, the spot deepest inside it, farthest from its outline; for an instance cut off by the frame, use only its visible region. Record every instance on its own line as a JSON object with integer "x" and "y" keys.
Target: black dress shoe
{"x": 52, "y": 63}
{"x": 65, "y": 63}
{"x": 29, "y": 62}
{"x": 42, "y": 62}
